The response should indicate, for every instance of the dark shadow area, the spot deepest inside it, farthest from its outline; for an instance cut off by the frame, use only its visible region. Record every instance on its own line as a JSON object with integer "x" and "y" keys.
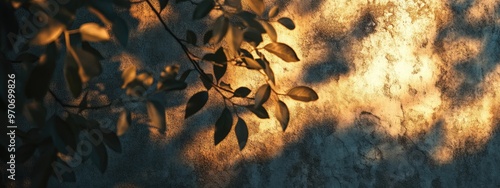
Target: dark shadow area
{"x": 365, "y": 156}
{"x": 464, "y": 83}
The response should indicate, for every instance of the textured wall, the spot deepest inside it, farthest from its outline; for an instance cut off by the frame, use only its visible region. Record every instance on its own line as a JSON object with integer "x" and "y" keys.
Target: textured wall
{"x": 407, "y": 98}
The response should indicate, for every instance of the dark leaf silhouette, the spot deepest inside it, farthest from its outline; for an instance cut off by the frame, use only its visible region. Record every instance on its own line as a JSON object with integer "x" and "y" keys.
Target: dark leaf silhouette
{"x": 120, "y": 29}
{"x": 208, "y": 35}
{"x": 195, "y": 103}
{"x": 241, "y": 131}
{"x": 207, "y": 83}
{"x": 203, "y": 8}
{"x": 73, "y": 80}
{"x": 287, "y": 22}
{"x": 112, "y": 141}
{"x": 242, "y": 92}
{"x": 163, "y": 4}
{"x": 223, "y": 126}
{"x": 191, "y": 37}
{"x": 39, "y": 79}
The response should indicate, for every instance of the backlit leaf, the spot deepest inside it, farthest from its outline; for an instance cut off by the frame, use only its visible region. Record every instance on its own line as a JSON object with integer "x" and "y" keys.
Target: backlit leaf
{"x": 223, "y": 126}
{"x": 283, "y": 51}
{"x": 241, "y": 131}
{"x": 303, "y": 93}
{"x": 282, "y": 114}
{"x": 251, "y": 63}
{"x": 203, "y": 8}
{"x": 128, "y": 75}
{"x": 93, "y": 32}
{"x": 220, "y": 29}
{"x": 73, "y": 80}
{"x": 273, "y": 12}
{"x": 262, "y": 95}
{"x": 89, "y": 64}
{"x": 287, "y": 22}
{"x": 195, "y": 103}
{"x": 242, "y": 92}
{"x": 49, "y": 33}
{"x": 123, "y": 123}
{"x": 257, "y": 6}
{"x": 271, "y": 32}
{"x": 156, "y": 113}
{"x": 260, "y": 111}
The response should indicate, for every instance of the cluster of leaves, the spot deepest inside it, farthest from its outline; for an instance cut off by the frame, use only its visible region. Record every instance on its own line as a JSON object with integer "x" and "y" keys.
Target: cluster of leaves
{"x": 49, "y": 25}
{"x": 237, "y": 33}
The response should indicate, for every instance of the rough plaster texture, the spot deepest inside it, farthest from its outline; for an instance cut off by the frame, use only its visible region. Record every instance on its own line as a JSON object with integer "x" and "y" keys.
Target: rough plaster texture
{"x": 408, "y": 98}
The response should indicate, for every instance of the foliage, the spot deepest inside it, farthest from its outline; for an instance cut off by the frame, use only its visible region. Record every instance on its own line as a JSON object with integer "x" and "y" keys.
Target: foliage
{"x": 236, "y": 31}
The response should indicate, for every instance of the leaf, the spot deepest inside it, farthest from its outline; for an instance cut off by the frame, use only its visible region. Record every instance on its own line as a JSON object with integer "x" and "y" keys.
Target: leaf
{"x": 269, "y": 72}
{"x": 271, "y": 32}
{"x": 170, "y": 85}
{"x": 260, "y": 111}
{"x": 273, "y": 12}
{"x": 233, "y": 3}
{"x": 120, "y": 29}
{"x": 242, "y": 92}
{"x": 123, "y": 123}
{"x": 257, "y": 6}
{"x": 219, "y": 71}
{"x": 251, "y": 63}
{"x": 249, "y": 21}
{"x": 262, "y": 95}
{"x": 226, "y": 86}
{"x": 38, "y": 82}
{"x": 283, "y": 51}
{"x": 62, "y": 135}
{"x": 49, "y": 33}
{"x": 253, "y": 37}
{"x": 208, "y": 35}
{"x": 185, "y": 74}
{"x": 282, "y": 114}
{"x": 89, "y": 64}
{"x": 93, "y": 32}
{"x": 234, "y": 38}
{"x": 287, "y": 22}
{"x": 112, "y": 141}
{"x": 43, "y": 167}
{"x": 303, "y": 93}
{"x": 191, "y": 37}
{"x": 73, "y": 80}
{"x": 223, "y": 126}
{"x": 203, "y": 8}
{"x": 207, "y": 83}
{"x": 86, "y": 46}
{"x": 221, "y": 26}
{"x": 128, "y": 75}
{"x": 241, "y": 131}
{"x": 195, "y": 103}
{"x": 99, "y": 157}
{"x": 156, "y": 113}
{"x": 163, "y": 4}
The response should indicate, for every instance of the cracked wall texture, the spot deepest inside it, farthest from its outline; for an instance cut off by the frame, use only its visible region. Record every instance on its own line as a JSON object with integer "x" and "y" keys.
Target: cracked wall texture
{"x": 408, "y": 98}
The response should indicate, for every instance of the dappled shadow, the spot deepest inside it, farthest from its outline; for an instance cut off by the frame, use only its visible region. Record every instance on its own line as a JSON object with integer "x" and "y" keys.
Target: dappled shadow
{"x": 365, "y": 156}
{"x": 466, "y": 82}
